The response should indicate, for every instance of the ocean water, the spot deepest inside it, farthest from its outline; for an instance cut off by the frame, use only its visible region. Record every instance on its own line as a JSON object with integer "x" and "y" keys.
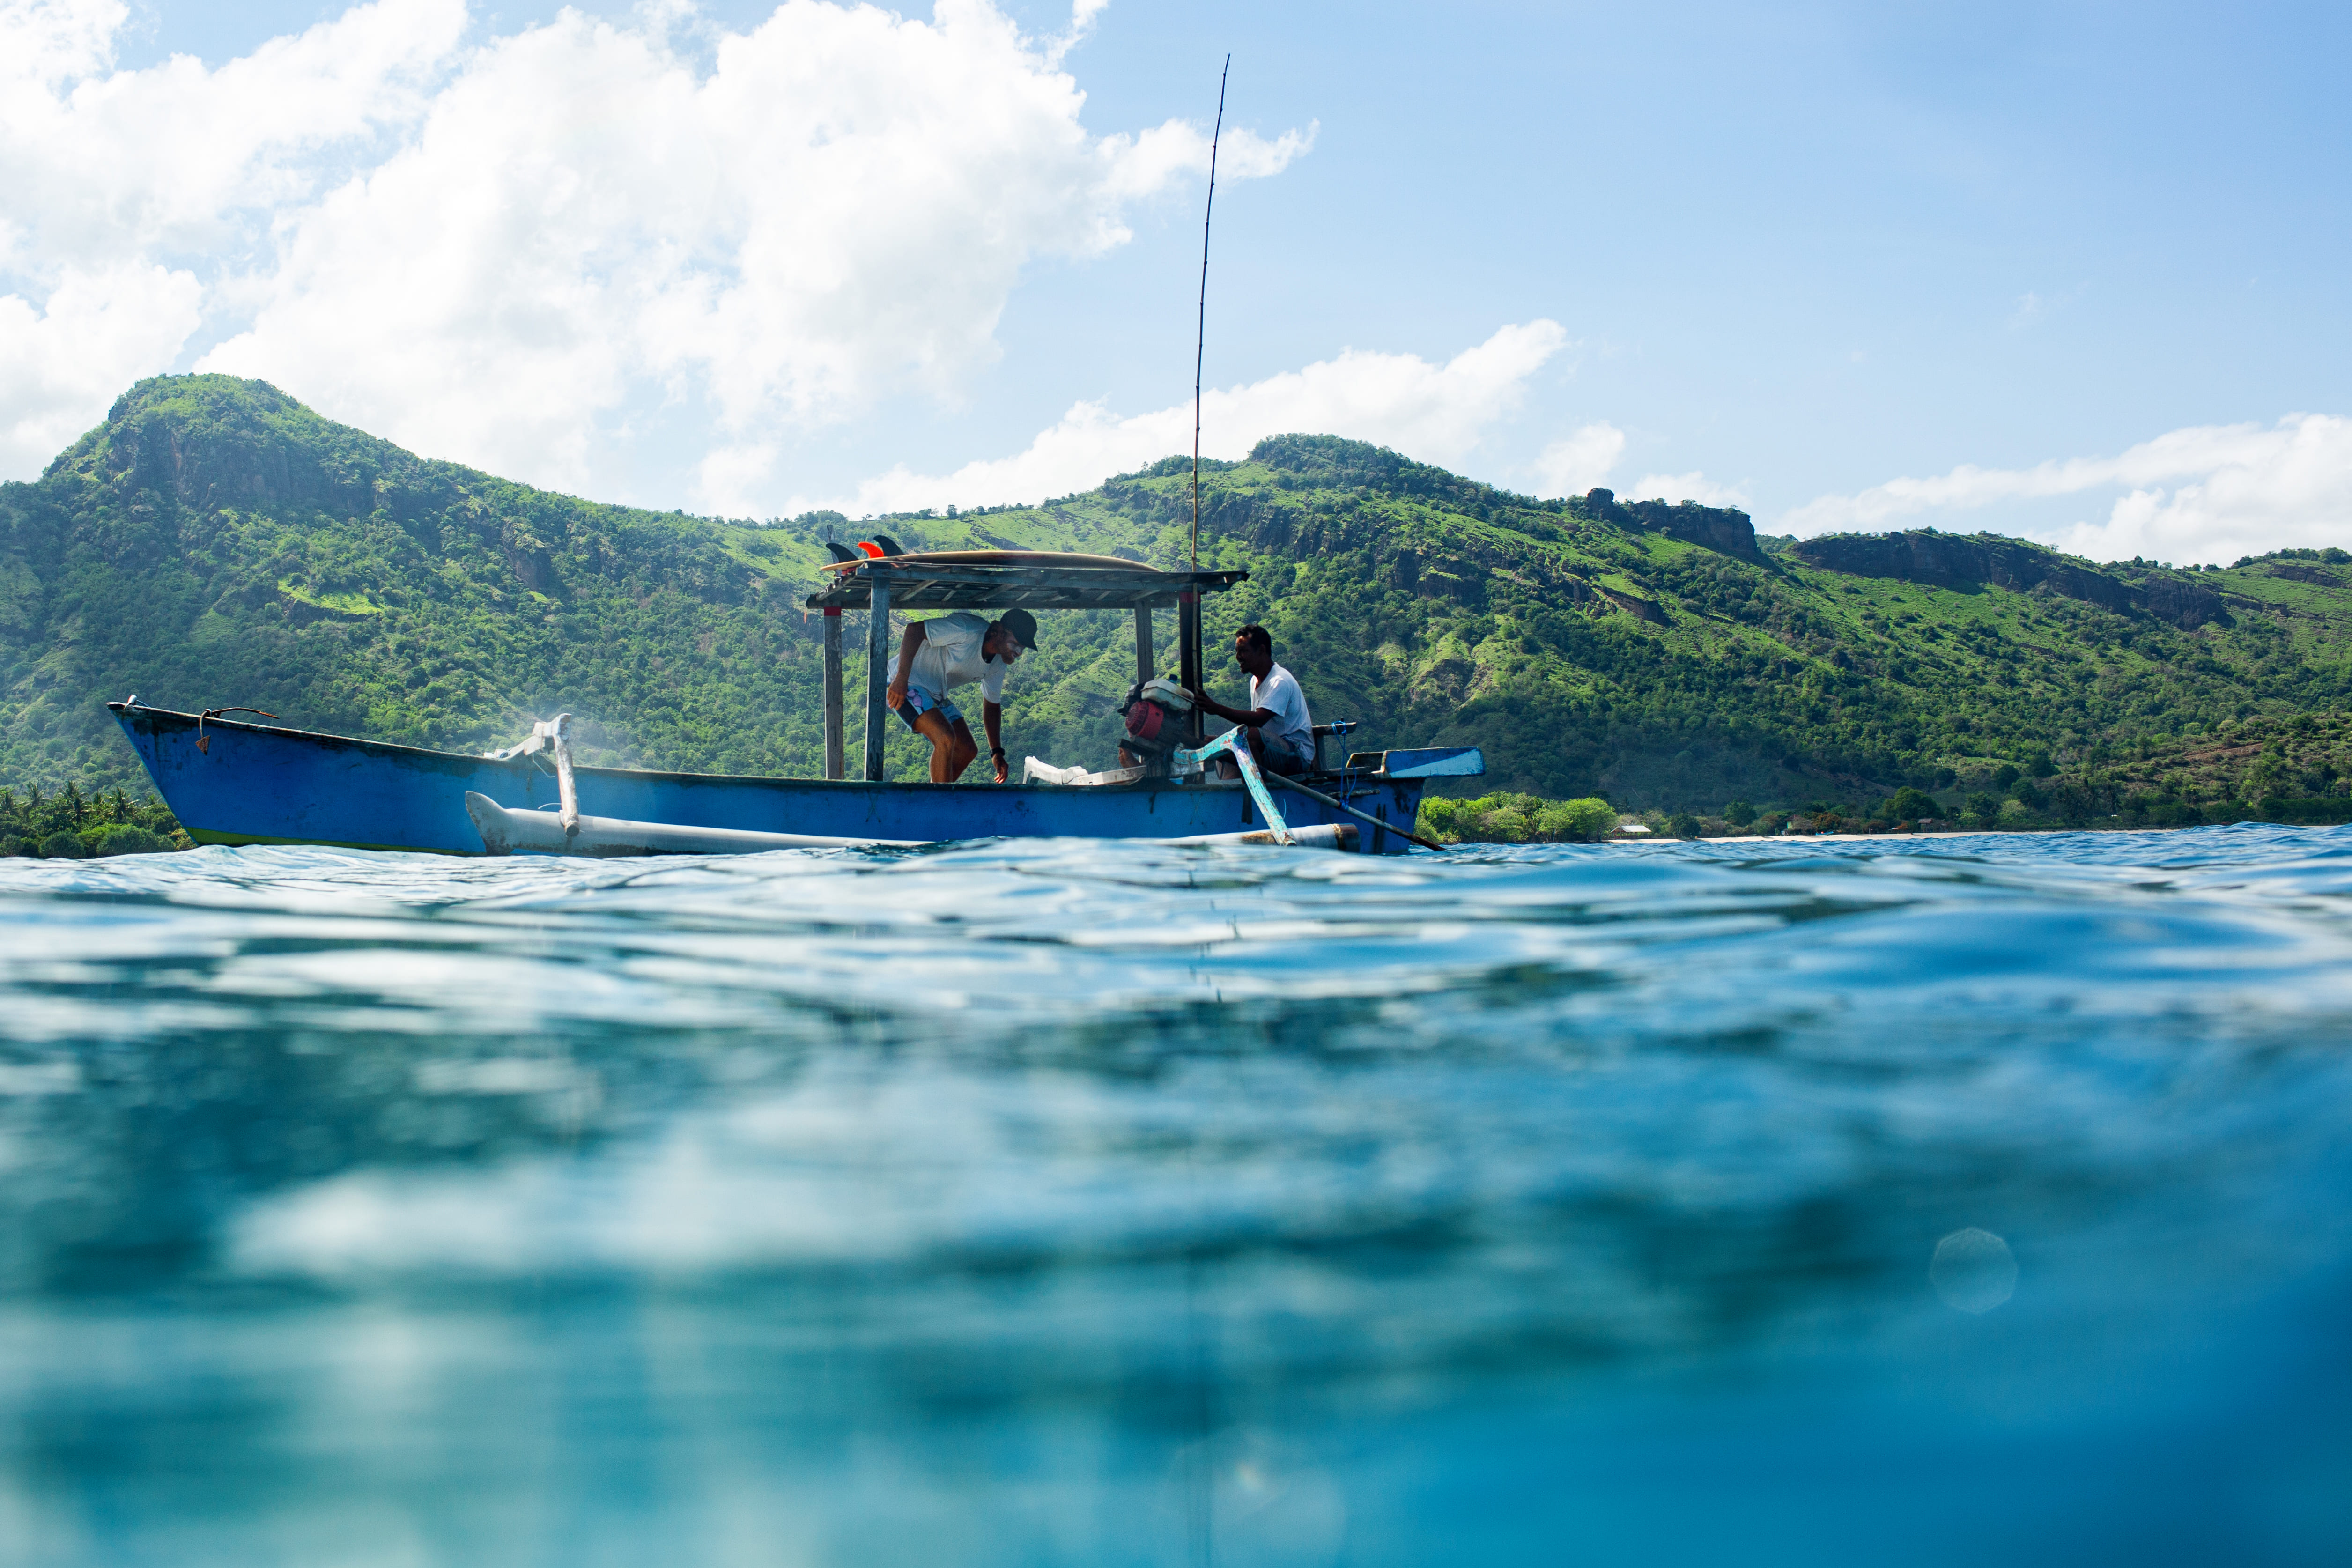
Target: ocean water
{"x": 1961, "y": 1201}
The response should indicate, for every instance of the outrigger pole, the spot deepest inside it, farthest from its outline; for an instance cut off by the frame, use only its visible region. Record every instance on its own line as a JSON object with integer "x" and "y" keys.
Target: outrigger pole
{"x": 1201, "y": 340}
{"x": 1188, "y": 609}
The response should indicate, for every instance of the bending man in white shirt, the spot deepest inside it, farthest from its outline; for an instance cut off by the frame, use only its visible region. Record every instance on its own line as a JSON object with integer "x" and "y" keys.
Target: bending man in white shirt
{"x": 934, "y": 658}
{"x": 1281, "y": 735}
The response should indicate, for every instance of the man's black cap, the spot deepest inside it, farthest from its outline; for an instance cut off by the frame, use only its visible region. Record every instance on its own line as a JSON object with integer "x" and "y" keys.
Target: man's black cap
{"x": 1022, "y": 625}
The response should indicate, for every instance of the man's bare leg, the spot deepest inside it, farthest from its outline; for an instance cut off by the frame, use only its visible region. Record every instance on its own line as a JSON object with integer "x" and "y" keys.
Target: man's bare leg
{"x": 964, "y": 750}
{"x": 933, "y": 726}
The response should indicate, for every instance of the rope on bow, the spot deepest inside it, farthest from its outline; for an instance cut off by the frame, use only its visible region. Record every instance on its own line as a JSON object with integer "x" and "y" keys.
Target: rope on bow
{"x": 205, "y": 742}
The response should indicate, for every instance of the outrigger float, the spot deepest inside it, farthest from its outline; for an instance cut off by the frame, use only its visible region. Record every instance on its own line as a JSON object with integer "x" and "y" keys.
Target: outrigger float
{"x": 232, "y": 780}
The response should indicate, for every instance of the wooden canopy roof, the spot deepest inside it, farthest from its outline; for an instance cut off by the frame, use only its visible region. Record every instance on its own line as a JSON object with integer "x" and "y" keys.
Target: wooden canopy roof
{"x": 1007, "y": 579}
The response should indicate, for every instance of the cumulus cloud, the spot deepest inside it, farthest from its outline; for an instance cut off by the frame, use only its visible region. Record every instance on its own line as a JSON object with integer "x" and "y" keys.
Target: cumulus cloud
{"x": 103, "y": 167}
{"x": 2205, "y": 493}
{"x": 1585, "y": 457}
{"x": 1434, "y": 413}
{"x": 95, "y": 334}
{"x": 1084, "y": 15}
{"x": 504, "y": 251}
{"x": 1693, "y": 486}
{"x": 1579, "y": 460}
{"x": 58, "y": 40}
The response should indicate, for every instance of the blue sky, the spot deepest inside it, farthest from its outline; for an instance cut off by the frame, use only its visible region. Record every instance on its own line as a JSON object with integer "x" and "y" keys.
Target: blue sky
{"x": 2061, "y": 270}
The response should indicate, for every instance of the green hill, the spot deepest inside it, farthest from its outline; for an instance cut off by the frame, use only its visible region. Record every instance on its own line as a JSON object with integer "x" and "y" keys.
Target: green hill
{"x": 215, "y": 542}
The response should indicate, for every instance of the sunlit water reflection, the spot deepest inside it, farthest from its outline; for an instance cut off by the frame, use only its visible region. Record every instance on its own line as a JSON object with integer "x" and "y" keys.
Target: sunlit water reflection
{"x": 1926, "y": 1201}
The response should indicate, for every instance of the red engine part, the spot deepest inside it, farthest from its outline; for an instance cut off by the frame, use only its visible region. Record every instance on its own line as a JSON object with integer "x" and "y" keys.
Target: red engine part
{"x": 1144, "y": 720}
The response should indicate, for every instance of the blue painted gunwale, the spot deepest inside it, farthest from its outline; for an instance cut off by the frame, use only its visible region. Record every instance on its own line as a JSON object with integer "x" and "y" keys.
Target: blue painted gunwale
{"x": 261, "y": 783}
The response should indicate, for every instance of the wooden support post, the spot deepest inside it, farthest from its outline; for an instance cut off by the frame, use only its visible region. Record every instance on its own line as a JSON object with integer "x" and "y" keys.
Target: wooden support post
{"x": 836, "y": 766}
{"x": 1187, "y": 653}
{"x": 878, "y": 676}
{"x": 1155, "y": 763}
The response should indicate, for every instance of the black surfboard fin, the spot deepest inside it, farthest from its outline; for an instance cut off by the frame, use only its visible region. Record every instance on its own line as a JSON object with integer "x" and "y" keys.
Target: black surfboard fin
{"x": 889, "y": 545}
{"x": 841, "y": 552}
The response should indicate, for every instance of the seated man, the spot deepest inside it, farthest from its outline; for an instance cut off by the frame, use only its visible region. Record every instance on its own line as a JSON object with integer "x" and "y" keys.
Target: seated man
{"x": 1281, "y": 735}
{"x": 935, "y": 656}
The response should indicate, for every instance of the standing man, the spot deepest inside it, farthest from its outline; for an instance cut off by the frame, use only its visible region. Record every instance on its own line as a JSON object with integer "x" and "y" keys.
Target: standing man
{"x": 1281, "y": 735}
{"x": 956, "y": 650}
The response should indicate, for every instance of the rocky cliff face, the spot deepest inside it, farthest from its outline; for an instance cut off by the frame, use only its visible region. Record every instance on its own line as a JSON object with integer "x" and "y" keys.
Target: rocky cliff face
{"x": 1717, "y": 528}
{"x": 2185, "y": 604}
{"x": 1952, "y": 561}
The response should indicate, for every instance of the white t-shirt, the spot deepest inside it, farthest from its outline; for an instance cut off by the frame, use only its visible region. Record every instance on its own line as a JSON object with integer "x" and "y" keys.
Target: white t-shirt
{"x": 950, "y": 657}
{"x": 1277, "y": 693}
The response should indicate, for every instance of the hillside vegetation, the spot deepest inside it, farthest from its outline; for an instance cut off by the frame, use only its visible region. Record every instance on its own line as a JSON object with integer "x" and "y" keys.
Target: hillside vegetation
{"x": 216, "y": 542}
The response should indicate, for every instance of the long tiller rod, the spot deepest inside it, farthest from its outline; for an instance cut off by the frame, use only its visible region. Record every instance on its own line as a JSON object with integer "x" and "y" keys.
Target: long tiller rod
{"x": 1200, "y": 341}
{"x": 1351, "y": 811}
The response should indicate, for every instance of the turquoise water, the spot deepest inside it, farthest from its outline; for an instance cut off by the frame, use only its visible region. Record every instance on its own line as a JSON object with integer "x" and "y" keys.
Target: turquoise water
{"x": 1955, "y": 1201}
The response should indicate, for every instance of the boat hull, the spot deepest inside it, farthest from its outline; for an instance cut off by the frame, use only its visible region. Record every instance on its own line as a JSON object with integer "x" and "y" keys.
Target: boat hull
{"x": 259, "y": 783}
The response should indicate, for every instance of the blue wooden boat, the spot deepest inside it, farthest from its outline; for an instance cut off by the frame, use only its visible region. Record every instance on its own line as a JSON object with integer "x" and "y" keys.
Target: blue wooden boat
{"x": 236, "y": 780}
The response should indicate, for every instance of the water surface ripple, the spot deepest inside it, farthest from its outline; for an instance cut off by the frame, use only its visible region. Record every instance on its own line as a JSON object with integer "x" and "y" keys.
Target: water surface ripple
{"x": 1060, "y": 1201}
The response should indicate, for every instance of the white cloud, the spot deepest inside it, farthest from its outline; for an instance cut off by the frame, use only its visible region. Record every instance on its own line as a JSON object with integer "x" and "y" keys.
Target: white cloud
{"x": 1433, "y": 412}
{"x": 1579, "y": 460}
{"x": 1584, "y": 458}
{"x": 1692, "y": 486}
{"x": 58, "y": 40}
{"x": 1084, "y": 14}
{"x": 179, "y": 160}
{"x": 96, "y": 334}
{"x": 504, "y": 252}
{"x": 2210, "y": 492}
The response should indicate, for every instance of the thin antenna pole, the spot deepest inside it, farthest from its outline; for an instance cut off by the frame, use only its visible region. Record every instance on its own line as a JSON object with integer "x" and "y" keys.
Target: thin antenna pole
{"x": 1201, "y": 342}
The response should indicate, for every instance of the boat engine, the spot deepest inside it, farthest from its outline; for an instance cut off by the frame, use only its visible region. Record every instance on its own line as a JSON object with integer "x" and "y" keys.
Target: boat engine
{"x": 1154, "y": 711}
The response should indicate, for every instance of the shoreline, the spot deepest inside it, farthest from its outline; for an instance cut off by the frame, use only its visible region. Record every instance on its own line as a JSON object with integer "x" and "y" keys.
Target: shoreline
{"x": 1956, "y": 832}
